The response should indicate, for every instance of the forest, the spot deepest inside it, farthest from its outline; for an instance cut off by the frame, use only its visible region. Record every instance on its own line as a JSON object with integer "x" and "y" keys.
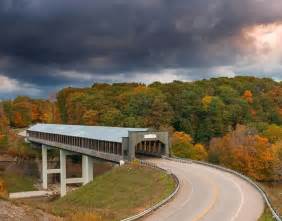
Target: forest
{"x": 235, "y": 122}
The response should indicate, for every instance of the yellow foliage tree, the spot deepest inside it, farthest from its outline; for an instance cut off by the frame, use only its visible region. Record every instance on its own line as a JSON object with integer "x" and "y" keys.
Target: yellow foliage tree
{"x": 273, "y": 133}
{"x": 206, "y": 101}
{"x": 181, "y": 137}
{"x": 182, "y": 147}
{"x": 200, "y": 152}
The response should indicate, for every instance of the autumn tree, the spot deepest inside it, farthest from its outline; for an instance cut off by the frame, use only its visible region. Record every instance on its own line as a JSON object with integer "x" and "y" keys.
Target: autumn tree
{"x": 248, "y": 96}
{"x": 182, "y": 146}
{"x": 90, "y": 117}
{"x": 4, "y": 124}
{"x": 245, "y": 151}
{"x": 273, "y": 133}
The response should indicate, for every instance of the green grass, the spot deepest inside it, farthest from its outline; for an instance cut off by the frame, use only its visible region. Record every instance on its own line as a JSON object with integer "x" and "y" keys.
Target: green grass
{"x": 16, "y": 183}
{"x": 266, "y": 216}
{"x": 274, "y": 191}
{"x": 119, "y": 193}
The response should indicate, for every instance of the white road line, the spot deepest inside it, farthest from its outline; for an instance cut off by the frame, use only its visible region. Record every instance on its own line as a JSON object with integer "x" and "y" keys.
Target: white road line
{"x": 241, "y": 201}
{"x": 191, "y": 192}
{"x": 211, "y": 205}
{"x": 184, "y": 207}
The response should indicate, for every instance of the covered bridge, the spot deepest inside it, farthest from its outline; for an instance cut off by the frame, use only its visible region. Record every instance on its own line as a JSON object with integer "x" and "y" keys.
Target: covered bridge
{"x": 114, "y": 144}
{"x": 108, "y": 143}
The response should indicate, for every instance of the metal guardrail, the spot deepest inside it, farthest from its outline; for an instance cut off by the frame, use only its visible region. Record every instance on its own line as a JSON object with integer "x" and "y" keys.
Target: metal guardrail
{"x": 161, "y": 203}
{"x": 250, "y": 181}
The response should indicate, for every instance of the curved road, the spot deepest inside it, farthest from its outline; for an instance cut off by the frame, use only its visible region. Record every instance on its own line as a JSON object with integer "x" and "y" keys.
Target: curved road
{"x": 208, "y": 194}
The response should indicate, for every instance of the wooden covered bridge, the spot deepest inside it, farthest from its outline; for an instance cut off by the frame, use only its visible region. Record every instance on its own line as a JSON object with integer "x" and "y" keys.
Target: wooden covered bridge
{"x": 115, "y": 144}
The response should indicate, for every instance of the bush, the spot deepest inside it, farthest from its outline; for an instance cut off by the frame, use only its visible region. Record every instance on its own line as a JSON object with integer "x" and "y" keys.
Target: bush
{"x": 3, "y": 189}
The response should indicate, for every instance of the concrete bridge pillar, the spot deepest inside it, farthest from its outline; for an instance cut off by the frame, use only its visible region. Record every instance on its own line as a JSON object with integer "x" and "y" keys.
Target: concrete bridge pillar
{"x": 87, "y": 170}
{"x": 44, "y": 167}
{"x": 63, "y": 174}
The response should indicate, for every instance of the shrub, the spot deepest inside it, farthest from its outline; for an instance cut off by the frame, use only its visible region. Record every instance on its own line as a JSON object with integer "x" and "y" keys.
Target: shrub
{"x": 3, "y": 189}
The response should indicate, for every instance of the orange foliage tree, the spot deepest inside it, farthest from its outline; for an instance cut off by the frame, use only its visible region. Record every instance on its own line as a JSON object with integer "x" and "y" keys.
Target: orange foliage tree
{"x": 245, "y": 151}
{"x": 248, "y": 96}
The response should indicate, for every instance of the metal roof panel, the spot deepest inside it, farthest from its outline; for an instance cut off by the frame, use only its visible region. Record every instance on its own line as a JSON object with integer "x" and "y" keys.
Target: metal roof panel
{"x": 113, "y": 134}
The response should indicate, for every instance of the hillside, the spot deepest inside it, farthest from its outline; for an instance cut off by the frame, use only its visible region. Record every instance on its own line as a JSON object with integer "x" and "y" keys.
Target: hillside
{"x": 203, "y": 109}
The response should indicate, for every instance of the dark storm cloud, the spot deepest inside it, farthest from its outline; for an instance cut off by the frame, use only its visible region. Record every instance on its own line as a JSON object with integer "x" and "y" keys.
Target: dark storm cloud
{"x": 40, "y": 39}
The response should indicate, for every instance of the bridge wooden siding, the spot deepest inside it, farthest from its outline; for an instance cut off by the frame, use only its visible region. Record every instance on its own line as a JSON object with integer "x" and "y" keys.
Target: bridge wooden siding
{"x": 107, "y": 150}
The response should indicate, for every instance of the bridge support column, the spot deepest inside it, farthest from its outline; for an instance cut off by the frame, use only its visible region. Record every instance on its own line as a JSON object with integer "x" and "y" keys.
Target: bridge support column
{"x": 87, "y": 169}
{"x": 63, "y": 177}
{"x": 44, "y": 167}
{"x": 45, "y": 170}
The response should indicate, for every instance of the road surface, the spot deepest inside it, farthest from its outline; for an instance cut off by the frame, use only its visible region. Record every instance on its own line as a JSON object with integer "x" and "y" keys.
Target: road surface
{"x": 208, "y": 194}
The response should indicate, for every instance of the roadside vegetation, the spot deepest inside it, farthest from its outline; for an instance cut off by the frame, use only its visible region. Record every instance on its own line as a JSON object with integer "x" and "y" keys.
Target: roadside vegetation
{"x": 266, "y": 216}
{"x": 117, "y": 194}
{"x": 274, "y": 191}
{"x": 15, "y": 183}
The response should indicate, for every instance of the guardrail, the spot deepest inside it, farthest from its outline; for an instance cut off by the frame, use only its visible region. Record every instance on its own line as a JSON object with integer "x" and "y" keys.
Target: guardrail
{"x": 161, "y": 203}
{"x": 250, "y": 181}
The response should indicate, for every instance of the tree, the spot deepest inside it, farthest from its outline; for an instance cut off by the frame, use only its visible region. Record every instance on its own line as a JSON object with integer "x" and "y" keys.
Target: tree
{"x": 90, "y": 117}
{"x": 4, "y": 124}
{"x": 248, "y": 96}
{"x": 111, "y": 117}
{"x": 273, "y": 133}
{"x": 278, "y": 159}
{"x": 206, "y": 101}
{"x": 245, "y": 151}
{"x": 160, "y": 115}
{"x": 182, "y": 147}
{"x": 22, "y": 112}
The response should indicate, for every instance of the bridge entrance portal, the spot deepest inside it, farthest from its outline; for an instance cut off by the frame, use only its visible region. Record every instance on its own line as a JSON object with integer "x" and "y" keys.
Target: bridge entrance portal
{"x": 150, "y": 148}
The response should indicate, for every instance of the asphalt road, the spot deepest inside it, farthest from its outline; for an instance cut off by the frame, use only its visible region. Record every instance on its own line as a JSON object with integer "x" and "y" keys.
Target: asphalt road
{"x": 208, "y": 194}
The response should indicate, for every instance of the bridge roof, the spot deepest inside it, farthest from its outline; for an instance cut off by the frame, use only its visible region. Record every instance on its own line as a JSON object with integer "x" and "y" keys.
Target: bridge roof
{"x": 113, "y": 134}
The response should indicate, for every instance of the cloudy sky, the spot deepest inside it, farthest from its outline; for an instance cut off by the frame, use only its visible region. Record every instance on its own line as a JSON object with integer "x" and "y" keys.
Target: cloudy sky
{"x": 49, "y": 44}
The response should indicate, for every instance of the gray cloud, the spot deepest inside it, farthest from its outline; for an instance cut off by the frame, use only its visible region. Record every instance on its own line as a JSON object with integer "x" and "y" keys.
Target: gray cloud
{"x": 46, "y": 43}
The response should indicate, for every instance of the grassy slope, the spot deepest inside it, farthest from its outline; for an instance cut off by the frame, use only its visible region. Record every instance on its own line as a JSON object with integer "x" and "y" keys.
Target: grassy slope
{"x": 16, "y": 183}
{"x": 266, "y": 216}
{"x": 274, "y": 191}
{"x": 119, "y": 193}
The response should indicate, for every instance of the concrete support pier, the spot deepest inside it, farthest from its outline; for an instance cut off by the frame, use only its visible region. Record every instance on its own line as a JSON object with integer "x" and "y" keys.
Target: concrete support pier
{"x": 87, "y": 170}
{"x": 44, "y": 167}
{"x": 63, "y": 174}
